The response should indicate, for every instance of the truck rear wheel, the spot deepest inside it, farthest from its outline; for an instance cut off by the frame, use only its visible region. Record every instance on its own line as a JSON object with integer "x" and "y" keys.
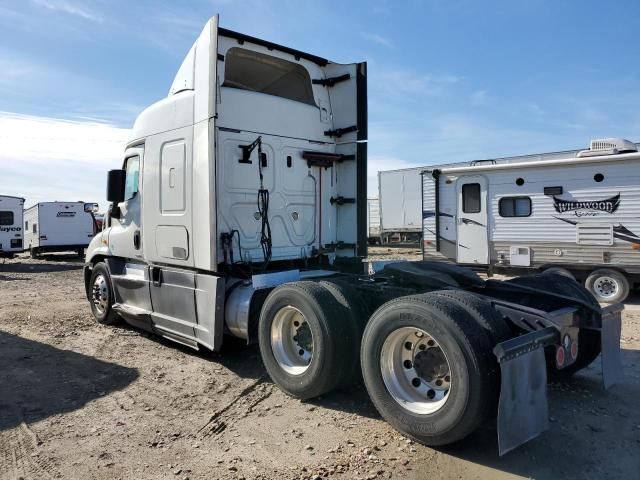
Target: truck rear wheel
{"x": 353, "y": 305}
{"x": 101, "y": 295}
{"x": 608, "y": 286}
{"x": 427, "y": 365}
{"x": 304, "y": 339}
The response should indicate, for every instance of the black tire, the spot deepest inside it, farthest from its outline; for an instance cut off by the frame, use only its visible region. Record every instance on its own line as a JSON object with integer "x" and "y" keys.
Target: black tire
{"x": 560, "y": 271}
{"x": 332, "y": 338}
{"x": 356, "y": 319}
{"x": 482, "y": 312}
{"x": 80, "y": 252}
{"x": 103, "y": 315}
{"x": 33, "y": 252}
{"x": 467, "y": 348}
{"x": 619, "y": 279}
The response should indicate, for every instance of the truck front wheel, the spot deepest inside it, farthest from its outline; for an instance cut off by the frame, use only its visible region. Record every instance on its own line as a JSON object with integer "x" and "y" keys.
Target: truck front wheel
{"x": 427, "y": 365}
{"x": 101, "y": 295}
{"x": 305, "y": 339}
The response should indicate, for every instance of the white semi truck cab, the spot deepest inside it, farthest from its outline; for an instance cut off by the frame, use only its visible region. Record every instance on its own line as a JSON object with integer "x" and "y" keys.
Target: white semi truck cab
{"x": 240, "y": 209}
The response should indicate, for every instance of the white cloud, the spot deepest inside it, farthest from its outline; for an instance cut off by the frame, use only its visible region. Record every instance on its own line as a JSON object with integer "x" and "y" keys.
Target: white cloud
{"x": 479, "y": 98}
{"x": 378, "y": 39}
{"x": 56, "y": 159}
{"x": 69, "y": 8}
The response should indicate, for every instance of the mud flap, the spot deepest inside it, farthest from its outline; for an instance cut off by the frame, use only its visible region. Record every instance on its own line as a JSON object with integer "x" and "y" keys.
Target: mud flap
{"x": 610, "y": 346}
{"x": 523, "y": 410}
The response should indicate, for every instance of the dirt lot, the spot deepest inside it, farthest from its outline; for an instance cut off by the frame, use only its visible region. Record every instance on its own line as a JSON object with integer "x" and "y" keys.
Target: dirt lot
{"x": 79, "y": 400}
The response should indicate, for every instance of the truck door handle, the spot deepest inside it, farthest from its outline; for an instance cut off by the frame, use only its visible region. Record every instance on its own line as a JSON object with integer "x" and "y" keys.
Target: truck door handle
{"x": 156, "y": 276}
{"x": 136, "y": 239}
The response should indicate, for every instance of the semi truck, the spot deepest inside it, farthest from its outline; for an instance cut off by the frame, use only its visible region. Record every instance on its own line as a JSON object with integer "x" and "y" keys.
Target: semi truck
{"x": 11, "y": 234}
{"x": 241, "y": 210}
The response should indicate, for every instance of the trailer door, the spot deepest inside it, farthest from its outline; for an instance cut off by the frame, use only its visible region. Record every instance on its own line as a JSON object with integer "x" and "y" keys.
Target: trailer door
{"x": 473, "y": 245}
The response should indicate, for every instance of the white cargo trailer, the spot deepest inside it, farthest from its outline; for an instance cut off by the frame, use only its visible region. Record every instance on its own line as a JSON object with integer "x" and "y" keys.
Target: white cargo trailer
{"x": 241, "y": 209}
{"x": 400, "y": 205}
{"x": 576, "y": 212}
{"x": 11, "y": 234}
{"x": 58, "y": 227}
{"x": 373, "y": 220}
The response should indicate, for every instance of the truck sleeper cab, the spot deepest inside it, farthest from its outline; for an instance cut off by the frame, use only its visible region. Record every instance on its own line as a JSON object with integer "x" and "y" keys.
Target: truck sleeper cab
{"x": 240, "y": 209}
{"x": 11, "y": 233}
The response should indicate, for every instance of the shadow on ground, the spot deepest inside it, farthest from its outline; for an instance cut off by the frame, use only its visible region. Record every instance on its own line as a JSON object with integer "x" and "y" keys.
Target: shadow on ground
{"x": 49, "y": 267}
{"x": 38, "y": 381}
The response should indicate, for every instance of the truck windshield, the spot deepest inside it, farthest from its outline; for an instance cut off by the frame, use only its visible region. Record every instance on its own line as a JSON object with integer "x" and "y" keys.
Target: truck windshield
{"x": 257, "y": 72}
{"x": 6, "y": 218}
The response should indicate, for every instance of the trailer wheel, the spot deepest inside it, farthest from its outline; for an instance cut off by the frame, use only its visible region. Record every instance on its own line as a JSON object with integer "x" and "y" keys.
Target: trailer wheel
{"x": 33, "y": 252}
{"x": 426, "y": 364}
{"x": 608, "y": 286}
{"x": 304, "y": 339}
{"x": 348, "y": 297}
{"x": 101, "y": 295}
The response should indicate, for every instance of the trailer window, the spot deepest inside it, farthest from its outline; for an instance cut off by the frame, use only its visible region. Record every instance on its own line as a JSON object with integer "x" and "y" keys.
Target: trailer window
{"x": 6, "y": 218}
{"x": 257, "y": 72}
{"x": 131, "y": 177}
{"x": 35, "y": 228}
{"x": 471, "y": 198}
{"x": 515, "y": 207}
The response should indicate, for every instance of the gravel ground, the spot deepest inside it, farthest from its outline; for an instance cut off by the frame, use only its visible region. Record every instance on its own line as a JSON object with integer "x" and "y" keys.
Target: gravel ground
{"x": 79, "y": 400}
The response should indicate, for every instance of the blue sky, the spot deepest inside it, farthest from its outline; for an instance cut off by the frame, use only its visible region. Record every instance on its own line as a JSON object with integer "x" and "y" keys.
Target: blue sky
{"x": 448, "y": 81}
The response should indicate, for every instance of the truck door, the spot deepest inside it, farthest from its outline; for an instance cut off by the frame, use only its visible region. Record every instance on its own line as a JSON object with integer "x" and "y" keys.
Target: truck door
{"x": 473, "y": 245}
{"x": 125, "y": 237}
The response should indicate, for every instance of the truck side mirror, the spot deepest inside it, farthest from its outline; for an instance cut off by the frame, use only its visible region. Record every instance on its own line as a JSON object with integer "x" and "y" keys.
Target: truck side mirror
{"x": 91, "y": 207}
{"x": 115, "y": 186}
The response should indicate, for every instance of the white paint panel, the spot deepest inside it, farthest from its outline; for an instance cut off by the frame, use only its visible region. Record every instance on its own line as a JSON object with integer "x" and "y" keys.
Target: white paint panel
{"x": 172, "y": 177}
{"x": 172, "y": 242}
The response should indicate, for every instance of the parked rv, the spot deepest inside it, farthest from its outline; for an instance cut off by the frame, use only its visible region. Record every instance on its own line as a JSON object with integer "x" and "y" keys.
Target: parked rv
{"x": 400, "y": 205}
{"x": 58, "y": 227}
{"x": 576, "y": 213}
{"x": 241, "y": 209}
{"x": 11, "y": 234}
{"x": 373, "y": 220}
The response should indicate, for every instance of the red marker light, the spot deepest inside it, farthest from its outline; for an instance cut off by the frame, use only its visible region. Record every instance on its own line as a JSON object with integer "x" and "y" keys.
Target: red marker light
{"x": 559, "y": 356}
{"x": 574, "y": 350}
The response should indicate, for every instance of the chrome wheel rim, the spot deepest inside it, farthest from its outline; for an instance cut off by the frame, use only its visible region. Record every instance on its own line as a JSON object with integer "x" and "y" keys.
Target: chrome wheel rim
{"x": 291, "y": 340}
{"x": 415, "y": 370}
{"x": 100, "y": 297}
{"x": 606, "y": 287}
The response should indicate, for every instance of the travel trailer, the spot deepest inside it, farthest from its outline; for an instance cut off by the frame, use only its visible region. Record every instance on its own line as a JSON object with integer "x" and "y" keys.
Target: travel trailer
{"x": 11, "y": 235}
{"x": 373, "y": 220}
{"x": 400, "y": 205}
{"x": 58, "y": 227}
{"x": 577, "y": 213}
{"x": 240, "y": 209}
